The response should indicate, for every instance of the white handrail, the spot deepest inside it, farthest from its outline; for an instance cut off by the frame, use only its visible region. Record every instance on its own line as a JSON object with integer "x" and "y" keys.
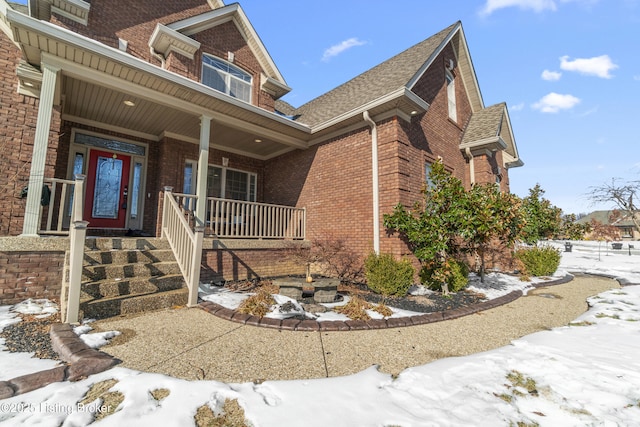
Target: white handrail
{"x": 251, "y": 220}
{"x": 185, "y": 243}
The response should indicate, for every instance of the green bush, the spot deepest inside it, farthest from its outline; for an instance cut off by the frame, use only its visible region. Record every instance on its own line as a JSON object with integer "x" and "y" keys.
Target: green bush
{"x": 455, "y": 273}
{"x": 387, "y": 276}
{"x": 539, "y": 261}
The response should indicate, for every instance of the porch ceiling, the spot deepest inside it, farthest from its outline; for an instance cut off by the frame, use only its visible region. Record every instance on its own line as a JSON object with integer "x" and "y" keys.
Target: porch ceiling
{"x": 94, "y": 105}
{"x": 97, "y": 79}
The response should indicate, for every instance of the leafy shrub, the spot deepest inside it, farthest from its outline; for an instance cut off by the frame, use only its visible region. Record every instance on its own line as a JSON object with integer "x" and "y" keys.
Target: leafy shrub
{"x": 452, "y": 272}
{"x": 387, "y": 276}
{"x": 539, "y": 261}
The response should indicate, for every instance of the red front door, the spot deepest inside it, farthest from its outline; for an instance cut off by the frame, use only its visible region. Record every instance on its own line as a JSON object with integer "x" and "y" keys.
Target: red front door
{"x": 107, "y": 185}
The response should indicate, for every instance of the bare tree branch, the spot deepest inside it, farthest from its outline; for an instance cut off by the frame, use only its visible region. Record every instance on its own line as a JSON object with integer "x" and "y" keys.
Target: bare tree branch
{"x": 623, "y": 194}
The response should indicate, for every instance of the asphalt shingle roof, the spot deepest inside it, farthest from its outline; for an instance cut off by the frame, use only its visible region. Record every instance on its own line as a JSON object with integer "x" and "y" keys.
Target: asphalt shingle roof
{"x": 485, "y": 123}
{"x": 375, "y": 83}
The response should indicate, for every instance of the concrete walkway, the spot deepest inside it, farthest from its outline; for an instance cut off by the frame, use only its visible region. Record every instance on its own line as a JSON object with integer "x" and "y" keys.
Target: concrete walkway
{"x": 193, "y": 344}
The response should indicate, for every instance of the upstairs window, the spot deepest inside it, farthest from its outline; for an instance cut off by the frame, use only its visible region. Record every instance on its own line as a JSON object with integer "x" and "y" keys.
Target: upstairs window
{"x": 226, "y": 77}
{"x": 451, "y": 96}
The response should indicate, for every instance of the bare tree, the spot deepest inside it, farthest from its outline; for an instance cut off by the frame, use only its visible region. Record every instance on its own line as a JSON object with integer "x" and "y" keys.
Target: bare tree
{"x": 623, "y": 193}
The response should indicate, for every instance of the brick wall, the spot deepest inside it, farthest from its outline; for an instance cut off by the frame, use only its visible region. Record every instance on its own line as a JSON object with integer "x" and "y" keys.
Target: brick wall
{"x": 135, "y": 22}
{"x": 30, "y": 275}
{"x": 244, "y": 264}
{"x": 18, "y": 115}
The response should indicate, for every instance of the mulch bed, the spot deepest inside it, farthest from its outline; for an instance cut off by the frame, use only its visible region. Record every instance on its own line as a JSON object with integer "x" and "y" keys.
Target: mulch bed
{"x": 430, "y": 303}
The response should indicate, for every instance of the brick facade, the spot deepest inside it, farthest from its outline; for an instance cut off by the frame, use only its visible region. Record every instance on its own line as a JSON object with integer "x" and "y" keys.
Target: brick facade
{"x": 246, "y": 264}
{"x": 331, "y": 179}
{"x": 30, "y": 275}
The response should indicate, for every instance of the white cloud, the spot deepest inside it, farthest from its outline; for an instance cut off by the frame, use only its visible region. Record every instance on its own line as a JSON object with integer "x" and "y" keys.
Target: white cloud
{"x": 517, "y": 107}
{"x": 599, "y": 66}
{"x": 341, "y": 47}
{"x": 551, "y": 76}
{"x": 554, "y": 102}
{"x": 535, "y": 5}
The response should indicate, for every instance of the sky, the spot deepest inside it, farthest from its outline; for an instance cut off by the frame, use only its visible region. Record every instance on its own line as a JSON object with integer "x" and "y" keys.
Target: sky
{"x": 584, "y": 373}
{"x": 567, "y": 69}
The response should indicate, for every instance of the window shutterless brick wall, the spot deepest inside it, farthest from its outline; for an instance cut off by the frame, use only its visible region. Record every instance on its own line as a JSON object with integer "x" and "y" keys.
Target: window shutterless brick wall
{"x": 30, "y": 275}
{"x": 245, "y": 264}
{"x": 18, "y": 116}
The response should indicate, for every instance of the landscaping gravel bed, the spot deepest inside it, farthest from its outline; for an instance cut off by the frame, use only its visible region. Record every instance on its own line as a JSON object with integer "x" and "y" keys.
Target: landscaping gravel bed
{"x": 31, "y": 335}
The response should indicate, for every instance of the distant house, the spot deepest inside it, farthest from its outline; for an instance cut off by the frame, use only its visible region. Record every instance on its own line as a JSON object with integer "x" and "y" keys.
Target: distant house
{"x": 142, "y": 96}
{"x": 620, "y": 220}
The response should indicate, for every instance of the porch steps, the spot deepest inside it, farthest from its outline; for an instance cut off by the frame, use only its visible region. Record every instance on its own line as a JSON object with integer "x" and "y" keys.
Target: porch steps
{"x": 129, "y": 275}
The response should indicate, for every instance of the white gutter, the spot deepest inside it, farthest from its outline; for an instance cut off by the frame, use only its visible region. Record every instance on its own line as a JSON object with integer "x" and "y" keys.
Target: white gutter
{"x": 374, "y": 178}
{"x": 63, "y": 35}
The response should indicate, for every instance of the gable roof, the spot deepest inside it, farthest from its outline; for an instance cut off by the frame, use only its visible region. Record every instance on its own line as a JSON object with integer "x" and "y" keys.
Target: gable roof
{"x": 604, "y": 217}
{"x": 235, "y": 14}
{"x": 490, "y": 128}
{"x": 381, "y": 80}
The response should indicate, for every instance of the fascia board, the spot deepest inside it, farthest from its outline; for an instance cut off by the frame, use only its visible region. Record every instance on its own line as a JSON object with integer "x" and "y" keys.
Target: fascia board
{"x": 216, "y": 17}
{"x": 65, "y": 36}
{"x": 438, "y": 50}
{"x": 421, "y": 106}
{"x": 493, "y": 142}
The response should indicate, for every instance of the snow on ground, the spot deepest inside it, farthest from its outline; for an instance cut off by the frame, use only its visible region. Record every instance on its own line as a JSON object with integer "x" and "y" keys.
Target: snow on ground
{"x": 586, "y": 373}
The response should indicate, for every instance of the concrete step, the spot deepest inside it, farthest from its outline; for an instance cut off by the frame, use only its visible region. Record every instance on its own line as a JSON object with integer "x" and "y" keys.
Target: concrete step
{"x": 127, "y": 256}
{"x": 94, "y": 273}
{"x": 135, "y": 303}
{"x": 112, "y": 288}
{"x": 129, "y": 243}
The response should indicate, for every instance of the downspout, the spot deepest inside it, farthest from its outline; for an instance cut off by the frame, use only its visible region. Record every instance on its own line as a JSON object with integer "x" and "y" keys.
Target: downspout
{"x": 374, "y": 179}
{"x": 159, "y": 57}
{"x": 472, "y": 168}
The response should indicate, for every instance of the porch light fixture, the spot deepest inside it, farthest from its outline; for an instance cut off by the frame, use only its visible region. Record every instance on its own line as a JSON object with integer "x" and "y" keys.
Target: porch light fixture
{"x": 129, "y": 103}
{"x": 257, "y": 140}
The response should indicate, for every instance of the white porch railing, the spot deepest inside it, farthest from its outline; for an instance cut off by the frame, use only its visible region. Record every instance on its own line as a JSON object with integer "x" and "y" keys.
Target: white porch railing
{"x": 58, "y": 210}
{"x": 185, "y": 243}
{"x": 250, "y": 220}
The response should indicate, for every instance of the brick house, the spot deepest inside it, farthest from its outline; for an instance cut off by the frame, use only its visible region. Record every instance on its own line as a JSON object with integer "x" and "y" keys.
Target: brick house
{"x": 184, "y": 94}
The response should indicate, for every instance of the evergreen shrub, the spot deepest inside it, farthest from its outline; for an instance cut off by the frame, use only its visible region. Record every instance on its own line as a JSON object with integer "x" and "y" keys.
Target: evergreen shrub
{"x": 539, "y": 260}
{"x": 387, "y": 276}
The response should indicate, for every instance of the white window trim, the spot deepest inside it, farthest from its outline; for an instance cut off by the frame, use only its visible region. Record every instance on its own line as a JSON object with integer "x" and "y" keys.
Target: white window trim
{"x": 223, "y": 178}
{"x": 451, "y": 95}
{"x": 228, "y": 76}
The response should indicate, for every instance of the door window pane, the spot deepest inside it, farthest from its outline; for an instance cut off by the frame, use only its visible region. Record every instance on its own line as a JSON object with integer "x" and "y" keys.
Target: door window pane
{"x": 188, "y": 186}
{"x": 135, "y": 191}
{"x": 106, "y": 196}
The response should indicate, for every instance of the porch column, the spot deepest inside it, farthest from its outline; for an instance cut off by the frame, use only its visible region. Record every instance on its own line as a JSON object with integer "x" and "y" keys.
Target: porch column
{"x": 31, "y": 224}
{"x": 203, "y": 167}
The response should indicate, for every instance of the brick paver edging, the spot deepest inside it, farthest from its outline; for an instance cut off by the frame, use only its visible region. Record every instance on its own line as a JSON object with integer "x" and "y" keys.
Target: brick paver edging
{"x": 359, "y": 325}
{"x": 82, "y": 361}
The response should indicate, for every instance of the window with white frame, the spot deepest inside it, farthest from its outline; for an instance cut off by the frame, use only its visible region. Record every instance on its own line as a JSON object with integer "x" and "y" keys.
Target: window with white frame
{"x": 222, "y": 182}
{"x": 226, "y": 77}
{"x": 451, "y": 95}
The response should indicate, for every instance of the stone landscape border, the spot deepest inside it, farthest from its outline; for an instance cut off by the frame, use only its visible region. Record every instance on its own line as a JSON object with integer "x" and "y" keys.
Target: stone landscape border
{"x": 83, "y": 360}
{"x": 361, "y": 325}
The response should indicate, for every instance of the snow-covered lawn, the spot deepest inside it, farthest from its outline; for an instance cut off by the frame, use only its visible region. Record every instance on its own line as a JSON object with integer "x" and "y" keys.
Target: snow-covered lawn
{"x": 587, "y": 373}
